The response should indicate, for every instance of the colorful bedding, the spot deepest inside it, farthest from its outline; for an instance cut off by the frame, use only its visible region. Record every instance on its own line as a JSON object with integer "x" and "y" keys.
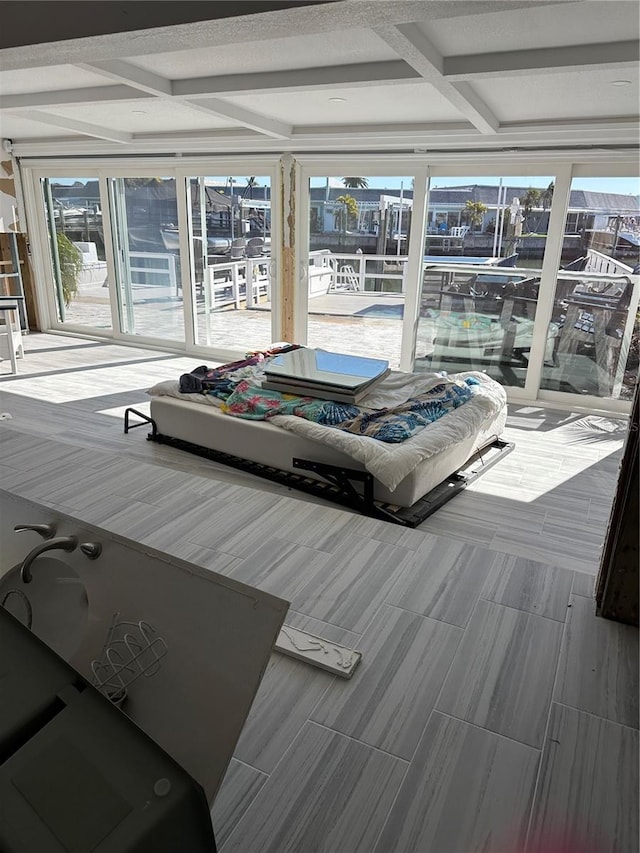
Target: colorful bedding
{"x": 239, "y": 386}
{"x": 392, "y": 425}
{"x": 388, "y": 462}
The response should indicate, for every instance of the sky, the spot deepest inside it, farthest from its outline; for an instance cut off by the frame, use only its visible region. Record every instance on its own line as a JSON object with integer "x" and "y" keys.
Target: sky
{"x": 624, "y": 186}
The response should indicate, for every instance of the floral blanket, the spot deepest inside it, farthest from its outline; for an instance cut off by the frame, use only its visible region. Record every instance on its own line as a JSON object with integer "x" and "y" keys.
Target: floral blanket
{"x": 238, "y": 386}
{"x": 483, "y": 416}
{"x": 392, "y": 425}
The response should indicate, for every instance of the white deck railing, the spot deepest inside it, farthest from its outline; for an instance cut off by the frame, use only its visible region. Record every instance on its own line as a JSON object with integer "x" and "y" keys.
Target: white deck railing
{"x": 331, "y": 272}
{"x": 239, "y": 283}
{"x": 161, "y": 269}
{"x": 601, "y": 263}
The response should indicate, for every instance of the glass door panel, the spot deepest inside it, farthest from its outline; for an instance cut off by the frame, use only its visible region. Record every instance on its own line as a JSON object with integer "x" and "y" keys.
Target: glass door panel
{"x": 477, "y": 312}
{"x": 147, "y": 269}
{"x": 358, "y": 237}
{"x": 595, "y": 319}
{"x": 73, "y": 211}
{"x": 230, "y": 243}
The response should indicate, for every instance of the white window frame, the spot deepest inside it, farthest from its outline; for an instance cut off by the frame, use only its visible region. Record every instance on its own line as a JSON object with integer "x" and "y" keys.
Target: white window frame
{"x": 563, "y": 166}
{"x": 32, "y": 171}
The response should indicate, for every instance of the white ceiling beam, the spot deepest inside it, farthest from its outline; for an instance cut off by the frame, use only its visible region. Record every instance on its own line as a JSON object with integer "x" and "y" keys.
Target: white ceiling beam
{"x": 382, "y": 131}
{"x": 358, "y": 74}
{"x": 338, "y": 76}
{"x": 548, "y": 60}
{"x": 82, "y": 127}
{"x": 619, "y": 141}
{"x": 153, "y": 84}
{"x": 416, "y": 50}
{"x": 587, "y": 125}
{"x": 247, "y": 118}
{"x": 69, "y": 97}
{"x": 130, "y": 75}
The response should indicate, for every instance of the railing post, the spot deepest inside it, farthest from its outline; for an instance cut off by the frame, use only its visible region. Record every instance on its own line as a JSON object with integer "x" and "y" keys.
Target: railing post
{"x": 173, "y": 280}
{"x": 248, "y": 273}
{"x": 208, "y": 290}
{"x": 235, "y": 285}
{"x": 333, "y": 263}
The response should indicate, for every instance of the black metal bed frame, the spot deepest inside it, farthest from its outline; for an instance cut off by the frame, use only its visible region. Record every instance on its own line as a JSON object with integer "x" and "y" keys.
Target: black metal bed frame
{"x": 340, "y": 484}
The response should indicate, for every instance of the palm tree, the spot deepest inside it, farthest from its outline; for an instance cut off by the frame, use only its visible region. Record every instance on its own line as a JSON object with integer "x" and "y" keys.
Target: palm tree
{"x": 474, "y": 211}
{"x": 546, "y": 197}
{"x": 532, "y": 198}
{"x": 355, "y": 183}
{"x": 347, "y": 212}
{"x": 251, "y": 183}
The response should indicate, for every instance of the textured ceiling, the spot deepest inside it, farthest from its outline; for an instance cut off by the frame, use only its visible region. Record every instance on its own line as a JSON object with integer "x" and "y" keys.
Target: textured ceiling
{"x": 407, "y": 74}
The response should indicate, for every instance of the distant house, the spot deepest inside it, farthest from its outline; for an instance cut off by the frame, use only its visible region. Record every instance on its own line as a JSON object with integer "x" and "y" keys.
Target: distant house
{"x": 587, "y": 210}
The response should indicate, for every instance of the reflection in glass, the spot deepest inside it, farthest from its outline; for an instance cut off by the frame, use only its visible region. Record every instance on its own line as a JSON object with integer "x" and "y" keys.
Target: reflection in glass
{"x": 148, "y": 273}
{"x": 358, "y": 237}
{"x": 475, "y": 320}
{"x": 230, "y": 264}
{"x": 76, "y": 242}
{"x": 479, "y": 313}
{"x": 595, "y": 311}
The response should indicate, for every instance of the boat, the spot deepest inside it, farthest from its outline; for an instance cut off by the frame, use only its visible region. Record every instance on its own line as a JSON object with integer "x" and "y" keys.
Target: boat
{"x": 216, "y": 245}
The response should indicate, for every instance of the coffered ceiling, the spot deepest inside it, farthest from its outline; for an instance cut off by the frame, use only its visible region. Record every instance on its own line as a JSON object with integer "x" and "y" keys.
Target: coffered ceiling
{"x": 351, "y": 75}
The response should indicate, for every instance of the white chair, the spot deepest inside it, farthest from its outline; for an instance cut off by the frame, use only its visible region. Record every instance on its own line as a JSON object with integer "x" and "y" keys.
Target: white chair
{"x": 346, "y": 278}
{"x": 10, "y": 332}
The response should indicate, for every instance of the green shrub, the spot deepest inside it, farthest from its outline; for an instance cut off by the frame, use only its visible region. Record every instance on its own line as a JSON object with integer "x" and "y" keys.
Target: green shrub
{"x": 70, "y": 260}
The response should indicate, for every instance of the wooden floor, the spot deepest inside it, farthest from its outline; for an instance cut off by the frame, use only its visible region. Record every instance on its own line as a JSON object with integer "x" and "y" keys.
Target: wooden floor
{"x": 492, "y": 710}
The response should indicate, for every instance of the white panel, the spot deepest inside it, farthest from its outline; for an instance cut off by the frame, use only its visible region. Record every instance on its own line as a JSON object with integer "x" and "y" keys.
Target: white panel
{"x": 18, "y": 128}
{"x": 313, "y": 51}
{"x": 47, "y": 79}
{"x": 572, "y": 95}
{"x": 414, "y": 102}
{"x": 539, "y": 26}
{"x": 146, "y": 116}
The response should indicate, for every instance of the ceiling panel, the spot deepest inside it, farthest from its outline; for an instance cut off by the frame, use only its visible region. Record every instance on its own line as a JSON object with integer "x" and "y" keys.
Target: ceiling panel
{"x": 573, "y": 95}
{"x": 415, "y": 102}
{"x": 304, "y": 51}
{"x": 17, "y": 128}
{"x": 539, "y": 26}
{"x": 143, "y": 116}
{"x": 48, "y": 79}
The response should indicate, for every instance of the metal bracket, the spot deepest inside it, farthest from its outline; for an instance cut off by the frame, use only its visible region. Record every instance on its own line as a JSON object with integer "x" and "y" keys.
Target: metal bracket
{"x": 145, "y": 420}
{"x": 339, "y": 484}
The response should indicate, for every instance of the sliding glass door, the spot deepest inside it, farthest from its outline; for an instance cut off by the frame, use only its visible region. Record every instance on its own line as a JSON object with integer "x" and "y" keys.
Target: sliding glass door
{"x": 81, "y": 287}
{"x": 358, "y": 243}
{"x": 231, "y": 263}
{"x": 529, "y": 276}
{"x": 483, "y": 253}
{"x": 594, "y": 323}
{"x": 147, "y": 267}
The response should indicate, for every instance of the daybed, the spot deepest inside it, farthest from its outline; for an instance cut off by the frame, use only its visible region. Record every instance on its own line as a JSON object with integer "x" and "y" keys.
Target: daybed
{"x": 399, "y": 481}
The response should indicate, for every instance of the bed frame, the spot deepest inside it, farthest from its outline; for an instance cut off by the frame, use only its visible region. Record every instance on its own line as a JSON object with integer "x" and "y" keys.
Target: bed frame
{"x": 346, "y": 486}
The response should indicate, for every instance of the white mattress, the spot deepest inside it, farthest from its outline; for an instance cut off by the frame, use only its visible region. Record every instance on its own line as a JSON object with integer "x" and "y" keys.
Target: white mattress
{"x": 265, "y": 443}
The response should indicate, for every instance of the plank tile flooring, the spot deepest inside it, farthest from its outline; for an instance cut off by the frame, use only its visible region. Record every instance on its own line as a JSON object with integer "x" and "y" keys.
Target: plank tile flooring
{"x": 492, "y": 710}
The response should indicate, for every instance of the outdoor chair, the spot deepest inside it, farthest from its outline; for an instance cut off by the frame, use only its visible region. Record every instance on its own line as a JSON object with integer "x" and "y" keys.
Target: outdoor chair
{"x": 237, "y": 250}
{"x": 255, "y": 247}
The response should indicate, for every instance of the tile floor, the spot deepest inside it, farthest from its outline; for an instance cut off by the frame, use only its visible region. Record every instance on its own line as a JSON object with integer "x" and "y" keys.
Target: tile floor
{"x": 492, "y": 711}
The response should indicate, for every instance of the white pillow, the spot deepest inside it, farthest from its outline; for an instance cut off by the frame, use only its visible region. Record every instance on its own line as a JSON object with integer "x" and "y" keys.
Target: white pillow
{"x": 168, "y": 388}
